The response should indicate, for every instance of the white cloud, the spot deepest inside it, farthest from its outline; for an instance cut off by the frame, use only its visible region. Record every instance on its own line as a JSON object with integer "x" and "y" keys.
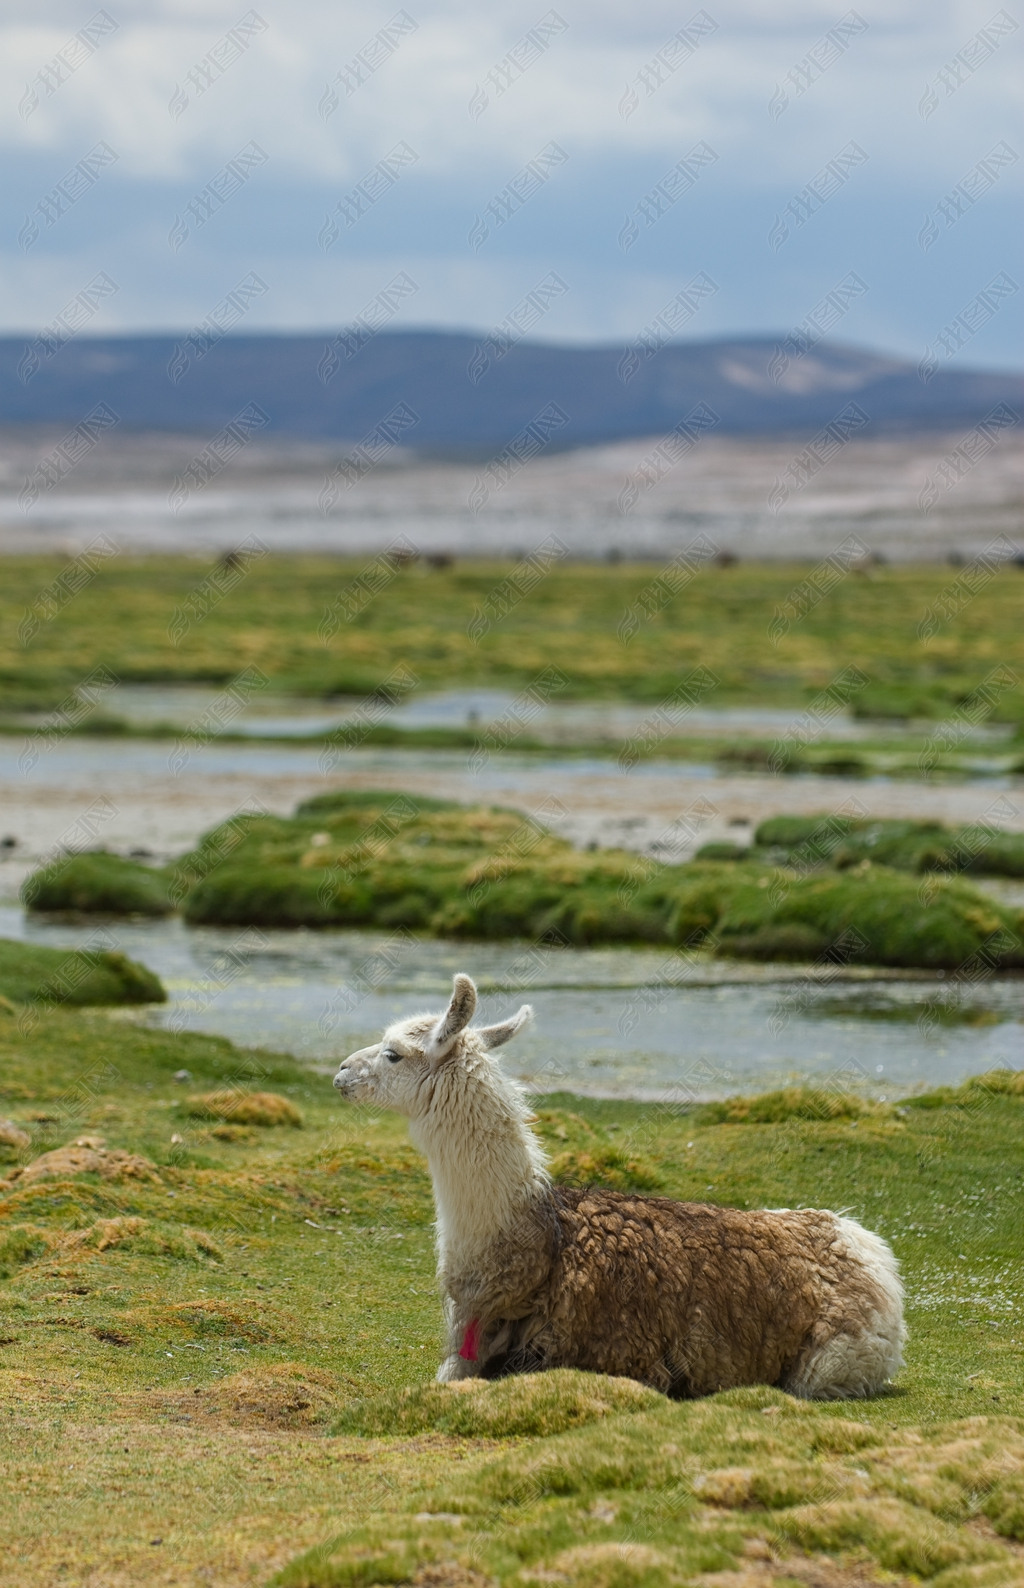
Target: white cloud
{"x": 572, "y": 94}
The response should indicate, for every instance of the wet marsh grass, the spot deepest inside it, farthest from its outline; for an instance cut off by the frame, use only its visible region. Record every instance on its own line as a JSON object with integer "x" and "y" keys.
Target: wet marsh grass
{"x": 231, "y": 1354}
{"x": 96, "y": 882}
{"x": 916, "y": 754}
{"x": 31, "y": 973}
{"x": 397, "y": 862}
{"x": 922, "y": 847}
{"x": 428, "y": 620}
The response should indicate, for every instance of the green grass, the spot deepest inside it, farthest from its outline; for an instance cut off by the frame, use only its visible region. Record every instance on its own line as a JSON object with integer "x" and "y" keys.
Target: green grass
{"x": 566, "y": 638}
{"x": 124, "y": 619}
{"x": 391, "y": 861}
{"x": 32, "y": 974}
{"x": 98, "y": 883}
{"x": 914, "y": 755}
{"x": 232, "y": 1353}
{"x": 917, "y": 846}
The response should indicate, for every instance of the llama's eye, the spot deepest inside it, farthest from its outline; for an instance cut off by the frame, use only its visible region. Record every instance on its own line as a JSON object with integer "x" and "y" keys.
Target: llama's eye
{"x": 392, "y": 1058}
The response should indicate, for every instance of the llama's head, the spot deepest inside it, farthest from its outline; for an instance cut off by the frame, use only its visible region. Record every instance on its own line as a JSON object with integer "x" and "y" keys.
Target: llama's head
{"x": 401, "y": 1070}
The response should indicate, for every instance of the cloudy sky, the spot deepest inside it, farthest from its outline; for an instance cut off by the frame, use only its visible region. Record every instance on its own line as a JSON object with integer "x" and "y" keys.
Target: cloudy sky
{"x": 318, "y": 150}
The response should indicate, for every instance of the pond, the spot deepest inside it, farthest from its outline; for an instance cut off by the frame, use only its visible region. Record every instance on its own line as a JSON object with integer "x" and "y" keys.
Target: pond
{"x": 613, "y": 1022}
{"x": 214, "y": 711}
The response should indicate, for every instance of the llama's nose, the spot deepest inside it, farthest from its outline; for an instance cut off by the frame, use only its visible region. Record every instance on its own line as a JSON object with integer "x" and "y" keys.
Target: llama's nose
{"x": 342, "y": 1079}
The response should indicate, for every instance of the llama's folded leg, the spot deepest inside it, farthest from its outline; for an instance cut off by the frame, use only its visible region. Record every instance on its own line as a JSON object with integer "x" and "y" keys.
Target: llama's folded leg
{"x": 455, "y": 1367}
{"x": 462, "y": 1348}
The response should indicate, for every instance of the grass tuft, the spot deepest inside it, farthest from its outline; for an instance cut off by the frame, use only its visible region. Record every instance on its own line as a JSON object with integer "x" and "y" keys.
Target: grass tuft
{"x": 476, "y": 872}
{"x": 32, "y": 974}
{"x": 792, "y": 1102}
{"x": 19, "y": 1244}
{"x": 13, "y": 1138}
{"x": 86, "y": 1156}
{"x": 244, "y": 1108}
{"x": 532, "y": 1405}
{"x": 1005, "y": 1507}
{"x": 607, "y": 1166}
{"x": 24, "y": 1244}
{"x": 146, "y": 1237}
{"x": 283, "y": 1395}
{"x": 98, "y": 883}
{"x": 893, "y": 1534}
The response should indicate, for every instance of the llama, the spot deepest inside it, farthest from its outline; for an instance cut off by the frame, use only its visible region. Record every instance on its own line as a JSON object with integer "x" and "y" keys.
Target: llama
{"x": 684, "y": 1297}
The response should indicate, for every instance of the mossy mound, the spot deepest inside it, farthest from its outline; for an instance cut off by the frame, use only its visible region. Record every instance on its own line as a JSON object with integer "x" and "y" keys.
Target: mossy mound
{"x": 13, "y": 1137}
{"x": 244, "y": 1108}
{"x": 788, "y": 832}
{"x": 87, "y": 1156}
{"x": 810, "y": 886}
{"x": 528, "y": 1405}
{"x": 870, "y": 917}
{"x": 972, "y": 1092}
{"x": 215, "y": 1319}
{"x": 722, "y": 851}
{"x": 146, "y": 1238}
{"x": 729, "y": 1489}
{"x": 343, "y": 799}
{"x": 31, "y": 974}
{"x": 792, "y": 1102}
{"x": 607, "y": 1166}
{"x": 916, "y": 846}
{"x": 894, "y": 1533}
{"x": 280, "y": 1395}
{"x": 98, "y": 883}
{"x": 23, "y": 1244}
{"x": 388, "y": 861}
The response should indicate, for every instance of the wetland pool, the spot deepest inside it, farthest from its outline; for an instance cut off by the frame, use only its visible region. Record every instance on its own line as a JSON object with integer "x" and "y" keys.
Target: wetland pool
{"x": 211, "y": 711}
{"x": 611, "y": 1022}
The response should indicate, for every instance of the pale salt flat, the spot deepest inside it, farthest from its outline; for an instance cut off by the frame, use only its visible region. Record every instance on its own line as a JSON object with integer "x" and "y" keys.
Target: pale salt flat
{"x": 759, "y": 499}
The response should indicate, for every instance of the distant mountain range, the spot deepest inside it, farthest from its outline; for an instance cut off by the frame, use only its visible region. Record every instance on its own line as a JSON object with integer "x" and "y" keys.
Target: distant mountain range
{"x": 447, "y": 393}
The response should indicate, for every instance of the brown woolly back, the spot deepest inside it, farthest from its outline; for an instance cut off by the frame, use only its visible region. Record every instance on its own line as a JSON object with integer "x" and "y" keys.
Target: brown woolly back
{"x": 685, "y": 1297}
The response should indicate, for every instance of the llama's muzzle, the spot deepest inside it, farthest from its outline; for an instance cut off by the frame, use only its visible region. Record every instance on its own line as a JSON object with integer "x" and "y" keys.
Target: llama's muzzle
{"x": 354, "y": 1070}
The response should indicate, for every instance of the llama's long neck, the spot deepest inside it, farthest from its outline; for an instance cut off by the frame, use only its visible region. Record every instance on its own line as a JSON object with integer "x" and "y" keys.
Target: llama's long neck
{"x": 486, "y": 1164}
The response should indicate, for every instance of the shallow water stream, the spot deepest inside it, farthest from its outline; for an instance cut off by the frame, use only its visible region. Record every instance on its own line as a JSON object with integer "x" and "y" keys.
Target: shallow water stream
{"x": 617, "y": 1022}
{"x": 620, "y": 1022}
{"x": 210, "y": 712}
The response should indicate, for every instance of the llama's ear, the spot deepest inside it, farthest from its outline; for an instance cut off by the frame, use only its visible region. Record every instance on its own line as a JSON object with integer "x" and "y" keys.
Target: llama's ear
{"x": 505, "y": 1030}
{"x": 455, "y": 1018}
